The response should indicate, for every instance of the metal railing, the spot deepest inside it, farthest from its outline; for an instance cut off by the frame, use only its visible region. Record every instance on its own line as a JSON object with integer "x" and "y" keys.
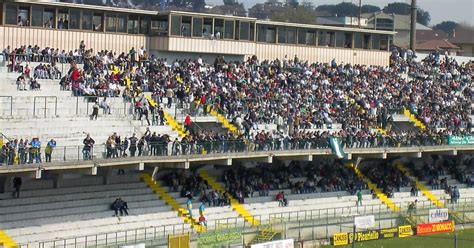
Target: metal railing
{"x": 185, "y": 149}
{"x": 339, "y": 218}
{"x": 55, "y": 99}
{"x": 3, "y": 104}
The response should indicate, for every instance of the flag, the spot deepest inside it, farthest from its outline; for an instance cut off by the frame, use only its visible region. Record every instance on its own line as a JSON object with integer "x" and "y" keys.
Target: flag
{"x": 336, "y": 147}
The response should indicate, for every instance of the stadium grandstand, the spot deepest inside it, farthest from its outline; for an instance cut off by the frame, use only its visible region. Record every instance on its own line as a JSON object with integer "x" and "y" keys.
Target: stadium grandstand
{"x": 137, "y": 128}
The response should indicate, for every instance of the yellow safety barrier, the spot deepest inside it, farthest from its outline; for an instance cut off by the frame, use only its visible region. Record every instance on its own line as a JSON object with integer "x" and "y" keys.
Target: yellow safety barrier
{"x": 233, "y": 202}
{"x": 413, "y": 119}
{"x": 6, "y": 241}
{"x": 382, "y": 197}
{"x": 433, "y": 199}
{"x": 162, "y": 194}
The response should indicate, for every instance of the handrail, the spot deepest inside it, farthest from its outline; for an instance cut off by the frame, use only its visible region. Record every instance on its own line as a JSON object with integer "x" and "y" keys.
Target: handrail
{"x": 5, "y": 137}
{"x": 63, "y": 153}
{"x": 45, "y": 104}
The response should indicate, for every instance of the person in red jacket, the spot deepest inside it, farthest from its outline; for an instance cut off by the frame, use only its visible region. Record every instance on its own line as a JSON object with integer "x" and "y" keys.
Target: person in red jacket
{"x": 187, "y": 122}
{"x": 75, "y": 75}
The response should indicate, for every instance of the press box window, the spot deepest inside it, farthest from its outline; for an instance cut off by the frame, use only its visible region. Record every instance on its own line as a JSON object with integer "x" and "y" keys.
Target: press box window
{"x": 175, "y": 25}
{"x": 197, "y": 27}
{"x": 229, "y": 30}
{"x": 75, "y": 19}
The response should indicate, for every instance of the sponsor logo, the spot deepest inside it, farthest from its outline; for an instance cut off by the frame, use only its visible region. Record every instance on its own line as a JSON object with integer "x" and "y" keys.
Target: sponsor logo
{"x": 405, "y": 231}
{"x": 440, "y": 227}
{"x": 437, "y": 215}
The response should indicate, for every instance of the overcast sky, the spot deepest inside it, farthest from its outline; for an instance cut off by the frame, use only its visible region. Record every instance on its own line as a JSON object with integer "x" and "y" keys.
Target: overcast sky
{"x": 440, "y": 10}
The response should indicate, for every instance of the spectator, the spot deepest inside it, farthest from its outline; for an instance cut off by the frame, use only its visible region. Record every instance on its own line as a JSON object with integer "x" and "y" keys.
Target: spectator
{"x": 88, "y": 146}
{"x": 49, "y": 150}
{"x": 95, "y": 111}
{"x": 105, "y": 106}
{"x": 17, "y": 187}
{"x": 120, "y": 205}
{"x": 359, "y": 198}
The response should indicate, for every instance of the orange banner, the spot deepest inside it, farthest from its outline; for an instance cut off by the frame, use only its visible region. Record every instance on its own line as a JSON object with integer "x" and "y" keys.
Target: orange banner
{"x": 430, "y": 228}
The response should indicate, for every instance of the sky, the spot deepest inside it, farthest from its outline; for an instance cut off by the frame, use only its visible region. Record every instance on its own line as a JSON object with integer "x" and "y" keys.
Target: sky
{"x": 440, "y": 10}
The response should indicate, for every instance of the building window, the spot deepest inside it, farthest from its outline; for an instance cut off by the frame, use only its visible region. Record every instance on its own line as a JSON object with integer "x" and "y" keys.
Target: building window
{"x": 376, "y": 41}
{"x": 229, "y": 30}
{"x": 347, "y": 40}
{"x": 282, "y": 35}
{"x": 291, "y": 35}
{"x": 49, "y": 18}
{"x": 219, "y": 28}
{"x": 11, "y": 15}
{"x": 110, "y": 22}
{"x": 366, "y": 41}
{"x": 159, "y": 26}
{"x": 23, "y": 16}
{"x": 63, "y": 19}
{"x": 87, "y": 20}
{"x": 244, "y": 31}
{"x": 98, "y": 22}
{"x": 266, "y": 34}
{"x": 358, "y": 40}
{"x": 122, "y": 23}
{"x": 175, "y": 25}
{"x": 252, "y": 31}
{"x": 75, "y": 19}
{"x": 339, "y": 39}
{"x": 145, "y": 25}
{"x": 207, "y": 27}
{"x": 186, "y": 26}
{"x": 37, "y": 16}
{"x": 383, "y": 42}
{"x": 133, "y": 24}
{"x": 197, "y": 27}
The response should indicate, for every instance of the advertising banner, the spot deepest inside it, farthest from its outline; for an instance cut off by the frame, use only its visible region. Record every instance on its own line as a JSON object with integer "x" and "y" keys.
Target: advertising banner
{"x": 431, "y": 228}
{"x": 438, "y": 215}
{"x": 364, "y": 221}
{"x": 284, "y": 243}
{"x": 460, "y": 140}
{"x": 405, "y": 231}
{"x": 349, "y": 238}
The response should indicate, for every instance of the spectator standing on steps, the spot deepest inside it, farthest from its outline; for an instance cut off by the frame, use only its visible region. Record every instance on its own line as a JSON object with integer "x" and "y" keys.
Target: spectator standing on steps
{"x": 49, "y": 150}
{"x": 187, "y": 123}
{"x": 95, "y": 111}
{"x": 359, "y": 198}
{"x": 88, "y": 145}
{"x": 133, "y": 145}
{"x": 16, "y": 186}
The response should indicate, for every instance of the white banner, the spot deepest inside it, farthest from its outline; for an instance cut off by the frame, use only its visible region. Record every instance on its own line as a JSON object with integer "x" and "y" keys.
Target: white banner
{"x": 134, "y": 246}
{"x": 364, "y": 221}
{"x": 437, "y": 215}
{"x": 285, "y": 243}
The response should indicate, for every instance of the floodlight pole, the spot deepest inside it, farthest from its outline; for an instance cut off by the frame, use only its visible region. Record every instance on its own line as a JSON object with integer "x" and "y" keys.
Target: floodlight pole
{"x": 413, "y": 26}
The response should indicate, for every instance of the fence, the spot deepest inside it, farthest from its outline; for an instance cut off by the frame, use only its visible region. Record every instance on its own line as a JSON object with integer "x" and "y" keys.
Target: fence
{"x": 184, "y": 149}
{"x": 317, "y": 224}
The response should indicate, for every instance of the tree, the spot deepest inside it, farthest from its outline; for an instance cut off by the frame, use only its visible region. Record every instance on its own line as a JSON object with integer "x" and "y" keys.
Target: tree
{"x": 423, "y": 17}
{"x": 230, "y": 2}
{"x": 369, "y": 8}
{"x": 446, "y": 26}
{"x": 299, "y": 14}
{"x": 400, "y": 8}
{"x": 292, "y": 3}
{"x": 341, "y": 9}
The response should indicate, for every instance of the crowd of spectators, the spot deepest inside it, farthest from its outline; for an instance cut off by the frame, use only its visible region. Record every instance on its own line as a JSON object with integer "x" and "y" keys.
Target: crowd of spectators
{"x": 387, "y": 178}
{"x": 291, "y": 93}
{"x": 326, "y": 175}
{"x": 24, "y": 151}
